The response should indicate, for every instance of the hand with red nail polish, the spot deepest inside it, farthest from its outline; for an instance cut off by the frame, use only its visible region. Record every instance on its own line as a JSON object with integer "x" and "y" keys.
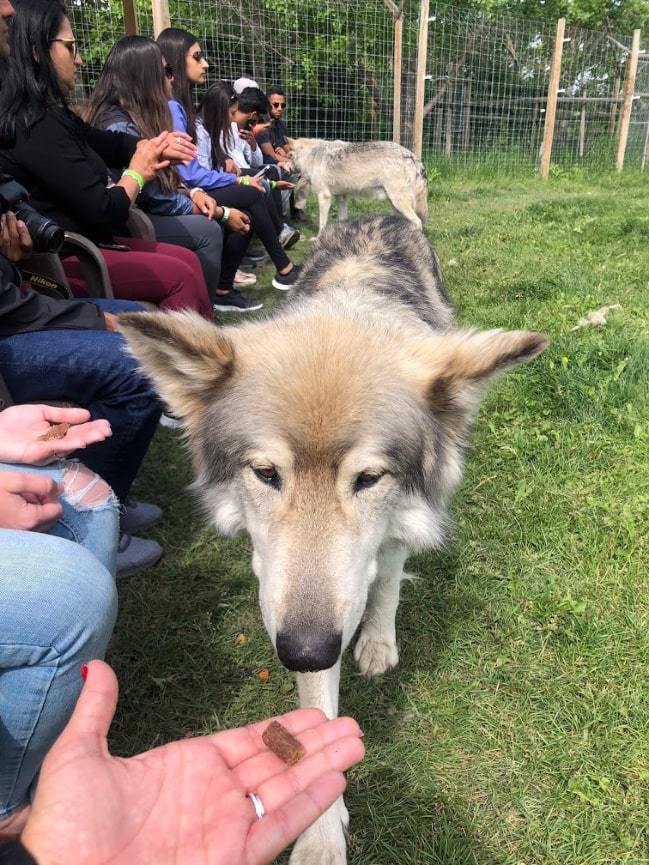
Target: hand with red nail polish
{"x": 186, "y": 802}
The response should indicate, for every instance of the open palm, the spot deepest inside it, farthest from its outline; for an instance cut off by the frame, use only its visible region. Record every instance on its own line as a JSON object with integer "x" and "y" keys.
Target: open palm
{"x": 185, "y": 803}
{"x": 21, "y": 426}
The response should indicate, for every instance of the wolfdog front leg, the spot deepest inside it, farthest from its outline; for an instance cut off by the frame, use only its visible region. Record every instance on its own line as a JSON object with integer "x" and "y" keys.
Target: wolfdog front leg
{"x": 324, "y": 842}
{"x": 376, "y": 648}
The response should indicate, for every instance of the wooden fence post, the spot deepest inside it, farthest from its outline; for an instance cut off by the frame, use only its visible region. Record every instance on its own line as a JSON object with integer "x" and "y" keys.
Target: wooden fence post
{"x": 130, "y": 17}
{"x": 582, "y": 130}
{"x": 397, "y": 20}
{"x": 161, "y": 19}
{"x": 645, "y": 155}
{"x": 422, "y": 52}
{"x": 629, "y": 85}
{"x": 551, "y": 106}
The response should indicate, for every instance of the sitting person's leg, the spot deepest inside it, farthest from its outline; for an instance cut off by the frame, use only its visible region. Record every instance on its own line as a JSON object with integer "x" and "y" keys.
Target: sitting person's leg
{"x": 92, "y": 369}
{"x": 156, "y": 272}
{"x": 59, "y": 605}
{"x": 90, "y": 508}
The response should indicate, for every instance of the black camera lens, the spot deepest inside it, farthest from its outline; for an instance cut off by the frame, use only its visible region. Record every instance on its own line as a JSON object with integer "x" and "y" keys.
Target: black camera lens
{"x": 46, "y": 235}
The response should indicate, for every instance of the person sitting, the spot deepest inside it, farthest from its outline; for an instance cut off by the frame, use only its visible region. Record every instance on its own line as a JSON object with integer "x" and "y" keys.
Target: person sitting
{"x": 225, "y": 133}
{"x": 68, "y": 350}
{"x": 183, "y": 52}
{"x": 59, "y": 528}
{"x": 63, "y": 162}
{"x": 272, "y": 143}
{"x": 131, "y": 95}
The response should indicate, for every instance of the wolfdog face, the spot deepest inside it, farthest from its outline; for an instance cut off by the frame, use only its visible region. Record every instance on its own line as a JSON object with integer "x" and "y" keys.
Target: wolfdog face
{"x": 327, "y": 439}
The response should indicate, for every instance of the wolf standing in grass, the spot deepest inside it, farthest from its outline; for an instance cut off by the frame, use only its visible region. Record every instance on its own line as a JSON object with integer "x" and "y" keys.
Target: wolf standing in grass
{"x": 333, "y": 433}
{"x": 373, "y": 169}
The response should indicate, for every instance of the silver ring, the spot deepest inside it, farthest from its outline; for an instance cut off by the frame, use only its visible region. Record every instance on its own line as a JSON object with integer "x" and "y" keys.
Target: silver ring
{"x": 177, "y": 139}
{"x": 259, "y": 805}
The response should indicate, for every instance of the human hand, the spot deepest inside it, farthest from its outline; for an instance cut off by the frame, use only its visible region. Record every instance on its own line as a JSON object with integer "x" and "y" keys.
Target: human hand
{"x": 286, "y": 165}
{"x": 204, "y": 203}
{"x": 179, "y": 147}
{"x": 110, "y": 320}
{"x": 231, "y": 167}
{"x": 15, "y": 240}
{"x": 253, "y": 182}
{"x": 29, "y": 503}
{"x": 187, "y": 801}
{"x": 284, "y": 184}
{"x": 148, "y": 158}
{"x": 21, "y": 426}
{"x": 238, "y": 221}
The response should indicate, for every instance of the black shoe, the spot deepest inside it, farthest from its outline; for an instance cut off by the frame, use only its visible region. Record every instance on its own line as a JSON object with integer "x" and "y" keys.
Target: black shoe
{"x": 284, "y": 281}
{"x": 298, "y": 216}
{"x": 235, "y": 302}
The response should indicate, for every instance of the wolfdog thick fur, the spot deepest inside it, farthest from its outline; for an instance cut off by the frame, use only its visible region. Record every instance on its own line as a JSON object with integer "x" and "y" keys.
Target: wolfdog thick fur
{"x": 373, "y": 169}
{"x": 333, "y": 433}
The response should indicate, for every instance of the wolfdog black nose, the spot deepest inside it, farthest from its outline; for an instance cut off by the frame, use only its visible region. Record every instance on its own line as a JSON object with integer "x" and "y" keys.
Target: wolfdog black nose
{"x": 307, "y": 651}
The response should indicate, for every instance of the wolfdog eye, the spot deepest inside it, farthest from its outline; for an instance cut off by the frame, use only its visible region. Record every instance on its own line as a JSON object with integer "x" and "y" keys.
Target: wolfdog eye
{"x": 267, "y": 474}
{"x": 367, "y": 479}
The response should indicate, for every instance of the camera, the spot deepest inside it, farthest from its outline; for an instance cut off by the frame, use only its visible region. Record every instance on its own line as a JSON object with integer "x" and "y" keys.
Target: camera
{"x": 46, "y": 235}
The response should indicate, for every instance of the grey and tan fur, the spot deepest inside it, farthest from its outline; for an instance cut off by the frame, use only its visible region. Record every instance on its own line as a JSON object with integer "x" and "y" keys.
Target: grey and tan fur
{"x": 334, "y": 434}
{"x": 373, "y": 169}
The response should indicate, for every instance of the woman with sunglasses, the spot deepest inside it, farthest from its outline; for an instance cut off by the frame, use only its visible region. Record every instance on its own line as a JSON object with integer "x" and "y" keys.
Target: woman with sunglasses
{"x": 183, "y": 52}
{"x": 131, "y": 96}
{"x": 64, "y": 163}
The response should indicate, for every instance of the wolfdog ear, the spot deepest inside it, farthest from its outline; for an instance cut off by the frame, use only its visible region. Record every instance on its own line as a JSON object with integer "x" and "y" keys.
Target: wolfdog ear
{"x": 185, "y": 356}
{"x": 464, "y": 362}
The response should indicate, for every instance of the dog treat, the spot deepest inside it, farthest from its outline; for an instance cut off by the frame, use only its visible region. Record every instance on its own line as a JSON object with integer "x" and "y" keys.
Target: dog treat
{"x": 281, "y": 742}
{"x": 57, "y": 431}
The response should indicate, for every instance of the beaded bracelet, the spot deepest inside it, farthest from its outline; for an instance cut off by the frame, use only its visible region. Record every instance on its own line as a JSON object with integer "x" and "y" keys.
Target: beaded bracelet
{"x": 137, "y": 177}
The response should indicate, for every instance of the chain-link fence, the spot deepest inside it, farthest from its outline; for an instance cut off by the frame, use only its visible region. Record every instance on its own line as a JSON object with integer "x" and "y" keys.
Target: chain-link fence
{"x": 486, "y": 76}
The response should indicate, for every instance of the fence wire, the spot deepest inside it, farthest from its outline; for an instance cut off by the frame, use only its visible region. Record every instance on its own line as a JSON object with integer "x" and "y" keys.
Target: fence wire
{"x": 486, "y": 75}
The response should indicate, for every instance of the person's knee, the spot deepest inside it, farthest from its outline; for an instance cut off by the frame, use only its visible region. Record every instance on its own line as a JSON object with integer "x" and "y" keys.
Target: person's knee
{"x": 212, "y": 237}
{"x": 84, "y": 489}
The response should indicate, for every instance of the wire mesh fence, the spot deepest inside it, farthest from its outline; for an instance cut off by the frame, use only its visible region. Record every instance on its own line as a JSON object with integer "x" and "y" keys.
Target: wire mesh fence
{"x": 486, "y": 75}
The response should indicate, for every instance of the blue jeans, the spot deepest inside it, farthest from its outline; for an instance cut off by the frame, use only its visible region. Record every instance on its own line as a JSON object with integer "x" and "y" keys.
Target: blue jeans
{"x": 96, "y": 527}
{"x": 91, "y": 368}
{"x": 59, "y": 605}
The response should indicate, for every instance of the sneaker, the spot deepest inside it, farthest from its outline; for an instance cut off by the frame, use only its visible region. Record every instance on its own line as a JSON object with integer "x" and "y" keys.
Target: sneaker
{"x": 284, "y": 281}
{"x": 243, "y": 278}
{"x": 288, "y": 236}
{"x": 298, "y": 216}
{"x": 136, "y": 554}
{"x": 235, "y": 302}
{"x": 139, "y": 516}
{"x": 256, "y": 253}
{"x": 246, "y": 261}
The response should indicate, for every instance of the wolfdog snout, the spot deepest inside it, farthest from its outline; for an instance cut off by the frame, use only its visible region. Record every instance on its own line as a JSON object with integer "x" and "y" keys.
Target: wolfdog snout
{"x": 307, "y": 649}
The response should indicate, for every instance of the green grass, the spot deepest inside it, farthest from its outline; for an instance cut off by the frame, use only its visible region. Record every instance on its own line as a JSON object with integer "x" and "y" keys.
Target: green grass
{"x": 515, "y": 730}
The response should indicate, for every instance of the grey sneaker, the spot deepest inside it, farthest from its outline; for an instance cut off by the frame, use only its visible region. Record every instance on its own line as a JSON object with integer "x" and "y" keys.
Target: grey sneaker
{"x": 169, "y": 421}
{"x": 139, "y": 516}
{"x": 136, "y": 554}
{"x": 288, "y": 236}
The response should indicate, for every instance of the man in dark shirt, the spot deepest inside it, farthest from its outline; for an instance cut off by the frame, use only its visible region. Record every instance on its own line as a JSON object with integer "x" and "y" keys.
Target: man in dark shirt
{"x": 272, "y": 146}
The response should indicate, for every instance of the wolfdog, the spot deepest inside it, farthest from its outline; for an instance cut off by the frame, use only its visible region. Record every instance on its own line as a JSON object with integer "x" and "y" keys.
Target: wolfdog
{"x": 333, "y": 433}
{"x": 374, "y": 169}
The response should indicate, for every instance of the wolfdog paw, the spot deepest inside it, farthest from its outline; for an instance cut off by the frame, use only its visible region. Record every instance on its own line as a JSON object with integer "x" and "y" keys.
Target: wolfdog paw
{"x": 375, "y": 656}
{"x": 324, "y": 842}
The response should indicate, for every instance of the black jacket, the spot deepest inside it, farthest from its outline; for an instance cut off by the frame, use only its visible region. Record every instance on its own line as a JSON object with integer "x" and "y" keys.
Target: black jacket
{"x": 63, "y": 162}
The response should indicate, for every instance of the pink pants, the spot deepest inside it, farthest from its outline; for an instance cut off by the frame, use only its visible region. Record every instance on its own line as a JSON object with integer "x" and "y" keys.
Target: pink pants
{"x": 161, "y": 273}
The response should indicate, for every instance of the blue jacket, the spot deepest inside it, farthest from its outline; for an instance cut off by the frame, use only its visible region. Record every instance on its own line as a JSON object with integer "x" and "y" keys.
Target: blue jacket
{"x": 194, "y": 174}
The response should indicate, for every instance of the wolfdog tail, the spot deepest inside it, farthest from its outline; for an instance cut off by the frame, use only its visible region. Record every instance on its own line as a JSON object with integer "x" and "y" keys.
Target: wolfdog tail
{"x": 421, "y": 193}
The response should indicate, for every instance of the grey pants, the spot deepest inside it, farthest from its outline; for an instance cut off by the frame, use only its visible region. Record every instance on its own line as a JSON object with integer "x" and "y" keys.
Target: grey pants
{"x": 203, "y": 236}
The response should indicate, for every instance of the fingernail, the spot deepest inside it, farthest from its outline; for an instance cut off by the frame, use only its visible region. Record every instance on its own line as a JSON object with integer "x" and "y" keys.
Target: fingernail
{"x": 84, "y": 672}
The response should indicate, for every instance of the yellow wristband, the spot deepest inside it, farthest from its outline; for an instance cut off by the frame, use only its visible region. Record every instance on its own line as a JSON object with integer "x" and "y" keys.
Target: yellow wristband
{"x": 244, "y": 180}
{"x": 137, "y": 177}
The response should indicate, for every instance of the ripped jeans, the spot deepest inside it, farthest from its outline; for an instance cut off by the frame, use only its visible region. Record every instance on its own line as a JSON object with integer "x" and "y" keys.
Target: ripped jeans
{"x": 58, "y": 608}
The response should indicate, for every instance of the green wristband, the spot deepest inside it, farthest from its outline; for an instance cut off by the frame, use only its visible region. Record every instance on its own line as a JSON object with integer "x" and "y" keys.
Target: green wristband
{"x": 273, "y": 184}
{"x": 245, "y": 180}
{"x": 137, "y": 177}
{"x": 226, "y": 214}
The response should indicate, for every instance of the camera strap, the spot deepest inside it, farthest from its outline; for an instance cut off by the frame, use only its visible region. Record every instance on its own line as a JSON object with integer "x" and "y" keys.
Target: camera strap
{"x": 45, "y": 284}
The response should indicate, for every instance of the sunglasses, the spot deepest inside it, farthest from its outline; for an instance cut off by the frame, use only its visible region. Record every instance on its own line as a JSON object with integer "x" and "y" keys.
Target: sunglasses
{"x": 71, "y": 45}
{"x": 198, "y": 56}
{"x": 278, "y": 104}
{"x": 168, "y": 71}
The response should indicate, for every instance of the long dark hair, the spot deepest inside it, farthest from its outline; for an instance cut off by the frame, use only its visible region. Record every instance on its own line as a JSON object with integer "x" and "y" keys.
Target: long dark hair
{"x": 30, "y": 83}
{"x": 214, "y": 111}
{"x": 133, "y": 79}
{"x": 175, "y": 44}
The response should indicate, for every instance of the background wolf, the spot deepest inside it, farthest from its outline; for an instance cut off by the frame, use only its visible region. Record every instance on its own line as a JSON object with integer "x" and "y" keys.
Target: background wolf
{"x": 333, "y": 433}
{"x": 374, "y": 169}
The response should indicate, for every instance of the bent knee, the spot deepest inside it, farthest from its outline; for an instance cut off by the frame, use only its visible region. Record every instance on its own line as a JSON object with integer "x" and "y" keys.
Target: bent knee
{"x": 84, "y": 489}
